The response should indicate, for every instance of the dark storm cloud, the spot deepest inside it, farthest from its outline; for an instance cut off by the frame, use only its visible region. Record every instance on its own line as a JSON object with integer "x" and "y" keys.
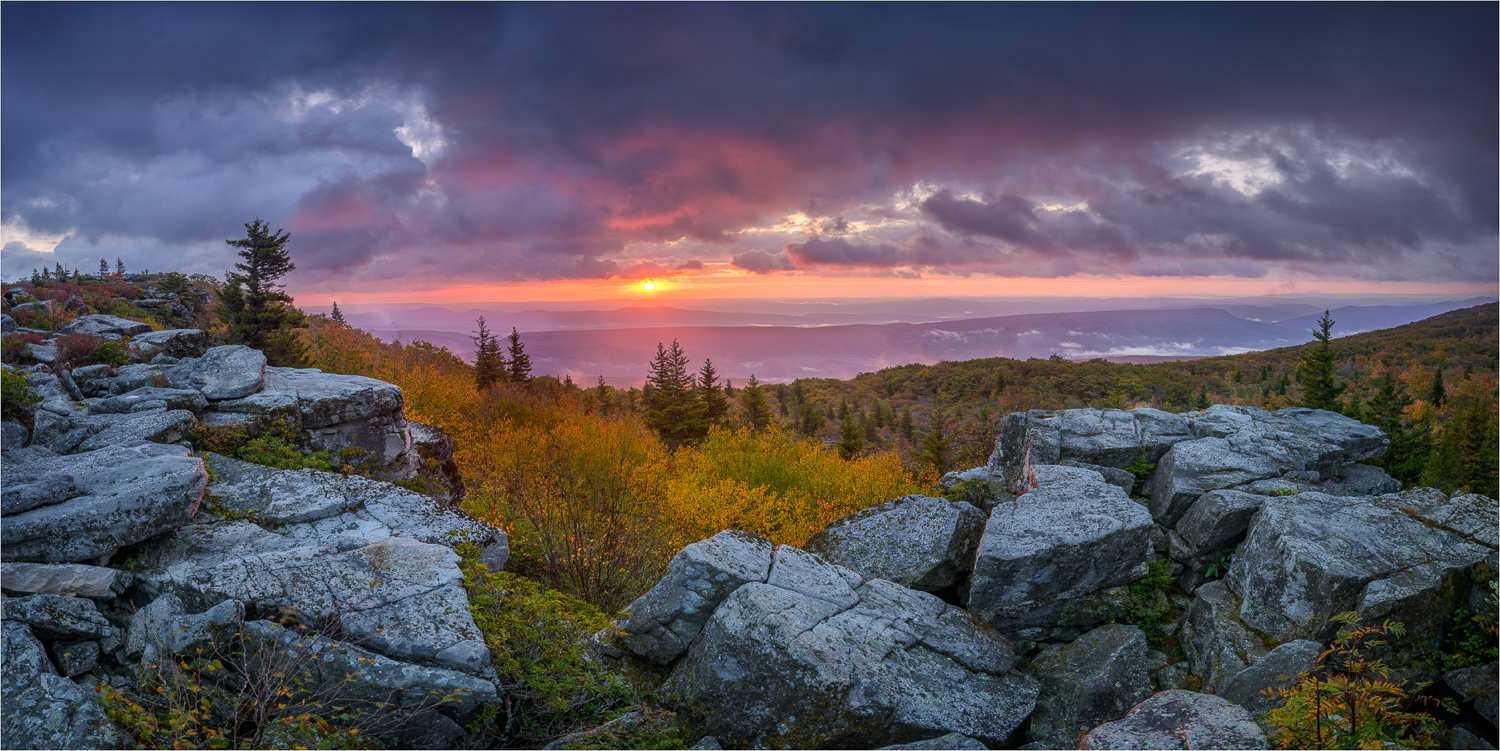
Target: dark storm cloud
{"x": 547, "y": 136}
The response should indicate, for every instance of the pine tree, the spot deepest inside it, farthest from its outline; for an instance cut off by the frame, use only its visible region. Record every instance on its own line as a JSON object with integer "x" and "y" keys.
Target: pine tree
{"x": 489, "y": 364}
{"x": 711, "y": 408}
{"x": 781, "y": 400}
{"x": 601, "y": 395}
{"x": 1439, "y": 395}
{"x": 810, "y": 423}
{"x": 103, "y": 268}
{"x": 338, "y": 315}
{"x": 908, "y": 427}
{"x": 670, "y": 395}
{"x": 851, "y": 438}
{"x": 119, "y": 268}
{"x": 253, "y": 305}
{"x": 937, "y": 445}
{"x": 1320, "y": 387}
{"x": 518, "y": 364}
{"x": 755, "y": 410}
{"x": 1202, "y": 402}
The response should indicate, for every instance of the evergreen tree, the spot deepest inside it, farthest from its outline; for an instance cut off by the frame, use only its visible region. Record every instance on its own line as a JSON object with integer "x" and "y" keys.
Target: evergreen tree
{"x": 1203, "y": 402}
{"x": 338, "y": 315}
{"x": 670, "y": 395}
{"x": 120, "y": 267}
{"x": 728, "y": 389}
{"x": 781, "y": 400}
{"x": 518, "y": 364}
{"x": 936, "y": 447}
{"x": 601, "y": 395}
{"x": 60, "y": 273}
{"x": 1439, "y": 395}
{"x": 908, "y": 427}
{"x": 103, "y": 268}
{"x": 811, "y": 423}
{"x": 754, "y": 408}
{"x": 871, "y": 430}
{"x": 1320, "y": 386}
{"x": 253, "y": 305}
{"x": 712, "y": 407}
{"x": 851, "y": 438}
{"x": 489, "y": 363}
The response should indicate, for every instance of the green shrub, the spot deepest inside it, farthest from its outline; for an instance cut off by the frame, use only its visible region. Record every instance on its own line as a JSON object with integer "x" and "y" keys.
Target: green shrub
{"x": 1470, "y": 639}
{"x": 112, "y": 353}
{"x": 1349, "y": 701}
{"x": 277, "y": 443}
{"x": 1142, "y": 470}
{"x": 16, "y": 396}
{"x": 538, "y": 643}
{"x": 658, "y": 729}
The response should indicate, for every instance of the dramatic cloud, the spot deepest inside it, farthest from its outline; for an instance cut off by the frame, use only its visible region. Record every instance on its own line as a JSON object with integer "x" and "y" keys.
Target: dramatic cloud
{"x": 438, "y": 144}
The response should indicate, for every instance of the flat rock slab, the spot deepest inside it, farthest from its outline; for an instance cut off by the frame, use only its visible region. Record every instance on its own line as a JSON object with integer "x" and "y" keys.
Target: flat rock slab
{"x": 1385, "y": 557}
{"x": 58, "y": 617}
{"x": 398, "y": 597}
{"x": 334, "y": 410}
{"x": 312, "y": 505}
{"x": 133, "y": 401}
{"x": 228, "y": 372}
{"x": 105, "y": 324}
{"x": 1180, "y": 719}
{"x": 127, "y": 494}
{"x": 172, "y": 343}
{"x": 75, "y": 579}
{"x": 1073, "y": 536}
{"x": 156, "y": 426}
{"x": 916, "y": 541}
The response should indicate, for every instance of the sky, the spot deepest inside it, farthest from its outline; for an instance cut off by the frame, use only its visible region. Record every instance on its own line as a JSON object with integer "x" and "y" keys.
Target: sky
{"x": 477, "y": 151}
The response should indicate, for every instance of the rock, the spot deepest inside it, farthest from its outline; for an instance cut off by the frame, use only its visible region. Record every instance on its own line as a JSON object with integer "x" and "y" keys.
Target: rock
{"x": 401, "y": 598}
{"x": 1106, "y": 437}
{"x": 949, "y": 741}
{"x": 1071, "y": 537}
{"x": 1360, "y": 479}
{"x": 1219, "y": 519}
{"x": 131, "y": 377}
{"x": 55, "y": 617}
{"x": 1093, "y": 680}
{"x": 777, "y": 667}
{"x": 1215, "y": 641}
{"x": 75, "y": 657}
{"x": 8, "y": 325}
{"x": 1192, "y": 468}
{"x": 160, "y": 426}
{"x": 979, "y": 486}
{"x": 665, "y": 621}
{"x": 42, "y": 709}
{"x": 100, "y": 325}
{"x": 600, "y": 736}
{"x": 177, "y": 343}
{"x": 129, "y": 493}
{"x": 1464, "y": 738}
{"x": 73, "y": 579}
{"x": 1112, "y": 475}
{"x": 25, "y": 490}
{"x": 707, "y": 743}
{"x": 92, "y": 380}
{"x": 1173, "y": 676}
{"x": 315, "y": 505}
{"x": 346, "y": 410}
{"x": 1279, "y": 668}
{"x": 1388, "y": 557}
{"x": 425, "y": 706}
{"x": 1478, "y": 687}
{"x": 232, "y": 371}
{"x": 916, "y": 541}
{"x": 1180, "y": 719}
{"x": 45, "y": 353}
{"x": 132, "y": 401}
{"x": 13, "y": 435}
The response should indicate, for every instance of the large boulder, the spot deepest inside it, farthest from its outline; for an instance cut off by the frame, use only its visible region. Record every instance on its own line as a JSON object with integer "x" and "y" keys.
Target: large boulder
{"x": 57, "y": 617}
{"x": 334, "y": 410}
{"x": 1096, "y": 678}
{"x": 311, "y": 505}
{"x": 1070, "y": 538}
{"x": 1280, "y": 668}
{"x": 177, "y": 343}
{"x": 44, "y": 710}
{"x": 1217, "y": 644}
{"x": 1107, "y": 437}
{"x": 94, "y": 582}
{"x": 826, "y": 665}
{"x": 1180, "y": 719}
{"x": 105, "y": 325}
{"x": 916, "y": 541}
{"x": 119, "y": 496}
{"x": 150, "y": 397}
{"x": 156, "y": 426}
{"x": 980, "y": 486}
{"x": 232, "y": 371}
{"x": 1479, "y": 687}
{"x": 1217, "y": 520}
{"x": 1408, "y": 557}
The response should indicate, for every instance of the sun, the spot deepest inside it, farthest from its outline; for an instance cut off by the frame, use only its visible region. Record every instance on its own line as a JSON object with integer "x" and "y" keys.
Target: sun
{"x": 649, "y": 286}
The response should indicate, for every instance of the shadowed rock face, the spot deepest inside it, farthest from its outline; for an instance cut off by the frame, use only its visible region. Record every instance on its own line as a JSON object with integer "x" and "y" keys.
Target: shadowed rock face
{"x": 42, "y": 708}
{"x": 1180, "y": 719}
{"x": 918, "y": 542}
{"x": 1096, "y": 678}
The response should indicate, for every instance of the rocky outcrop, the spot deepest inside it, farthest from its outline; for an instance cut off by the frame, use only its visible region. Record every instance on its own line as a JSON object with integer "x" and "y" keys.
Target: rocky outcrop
{"x": 44, "y": 710}
{"x": 1280, "y": 668}
{"x": 1107, "y": 437}
{"x": 229, "y": 372}
{"x": 82, "y": 506}
{"x": 105, "y": 325}
{"x": 178, "y": 343}
{"x": 918, "y": 542}
{"x": 1217, "y": 644}
{"x": 1054, "y": 547}
{"x": 1180, "y": 719}
{"x": 1097, "y": 678}
{"x": 798, "y": 652}
{"x": 94, "y": 582}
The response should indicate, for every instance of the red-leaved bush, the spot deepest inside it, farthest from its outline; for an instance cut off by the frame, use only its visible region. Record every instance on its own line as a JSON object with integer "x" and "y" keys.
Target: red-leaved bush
{"x": 76, "y": 349}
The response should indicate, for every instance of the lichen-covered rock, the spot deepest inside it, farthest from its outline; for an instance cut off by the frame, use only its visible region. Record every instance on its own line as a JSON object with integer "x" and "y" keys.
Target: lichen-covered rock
{"x": 1478, "y": 686}
{"x": 13, "y": 435}
{"x": 42, "y": 709}
{"x": 1216, "y": 643}
{"x": 1092, "y": 680}
{"x": 665, "y": 621}
{"x": 1112, "y": 475}
{"x": 1359, "y": 479}
{"x": 916, "y": 541}
{"x": 74, "y": 579}
{"x": 1106, "y": 437}
{"x": 100, "y": 324}
{"x": 311, "y": 505}
{"x": 981, "y": 487}
{"x": 136, "y": 400}
{"x": 1180, "y": 719}
{"x": 232, "y": 371}
{"x": 127, "y": 494}
{"x": 1217, "y": 520}
{"x": 785, "y": 668}
{"x": 1406, "y": 557}
{"x": 177, "y": 343}
{"x": 57, "y": 617}
{"x": 1073, "y": 536}
{"x": 951, "y": 741}
{"x": 158, "y": 425}
{"x": 1277, "y": 669}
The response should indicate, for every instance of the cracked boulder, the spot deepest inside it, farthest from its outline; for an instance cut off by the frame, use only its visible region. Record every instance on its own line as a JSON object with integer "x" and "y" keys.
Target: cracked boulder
{"x": 1217, "y": 644}
{"x": 918, "y": 542}
{"x": 119, "y": 496}
{"x": 105, "y": 325}
{"x": 177, "y": 343}
{"x": 334, "y": 410}
{"x": 76, "y": 579}
{"x": 232, "y": 371}
{"x": 1061, "y": 545}
{"x": 1180, "y": 719}
{"x": 44, "y": 710}
{"x": 1091, "y": 680}
{"x": 1106, "y": 437}
{"x": 801, "y": 654}
{"x": 1408, "y": 557}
